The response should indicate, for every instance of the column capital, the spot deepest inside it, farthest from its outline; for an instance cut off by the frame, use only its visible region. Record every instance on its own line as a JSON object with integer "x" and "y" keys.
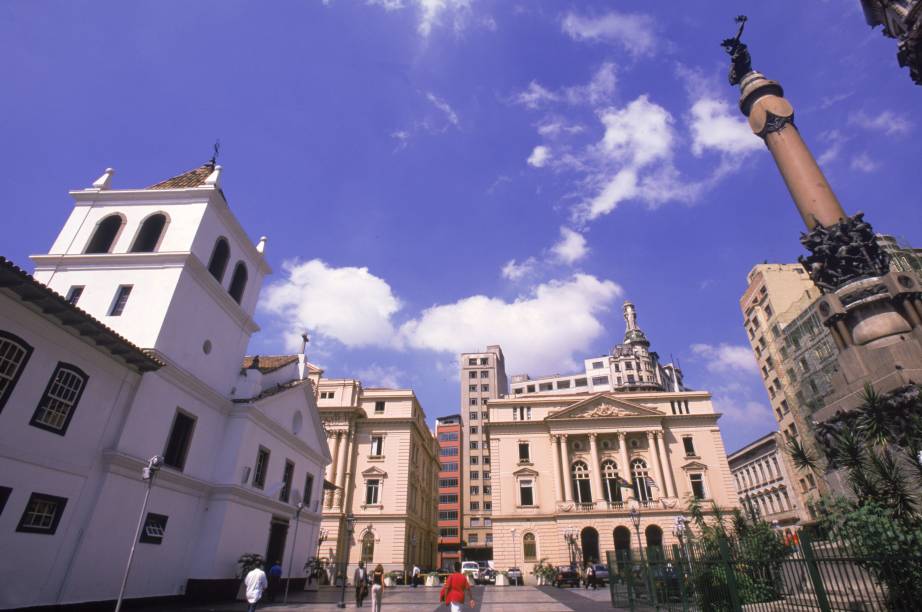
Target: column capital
{"x": 650, "y": 434}
{"x": 593, "y": 435}
{"x": 621, "y": 435}
{"x": 563, "y": 435}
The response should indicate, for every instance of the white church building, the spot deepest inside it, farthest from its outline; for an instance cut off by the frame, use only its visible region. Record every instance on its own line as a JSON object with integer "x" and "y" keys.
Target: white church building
{"x": 128, "y": 342}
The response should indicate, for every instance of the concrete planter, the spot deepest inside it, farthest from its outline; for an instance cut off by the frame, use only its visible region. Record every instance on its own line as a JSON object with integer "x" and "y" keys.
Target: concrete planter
{"x": 389, "y": 582}
{"x": 432, "y": 581}
{"x": 502, "y": 580}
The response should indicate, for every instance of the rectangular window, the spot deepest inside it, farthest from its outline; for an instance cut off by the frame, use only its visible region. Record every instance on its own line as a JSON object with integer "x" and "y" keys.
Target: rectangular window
{"x": 448, "y": 436}
{"x": 73, "y": 295}
{"x": 121, "y": 299}
{"x": 262, "y": 467}
{"x": 154, "y": 528}
{"x": 689, "y": 446}
{"x": 308, "y": 489}
{"x": 489, "y": 539}
{"x": 526, "y": 493}
{"x": 377, "y": 446}
{"x": 447, "y": 483}
{"x": 474, "y": 445}
{"x": 486, "y": 459}
{"x": 597, "y": 365}
{"x": 450, "y": 467}
{"x": 697, "y": 485}
{"x": 472, "y": 388}
{"x": 484, "y": 400}
{"x": 487, "y": 505}
{"x": 474, "y": 460}
{"x": 475, "y": 475}
{"x": 475, "y": 490}
{"x": 599, "y": 380}
{"x": 287, "y": 477}
{"x": 579, "y": 382}
{"x": 474, "y": 429}
{"x": 472, "y": 361}
{"x": 448, "y": 532}
{"x": 475, "y": 505}
{"x": 524, "y": 454}
{"x": 530, "y": 388}
{"x": 472, "y": 401}
{"x": 483, "y": 361}
{"x": 487, "y": 490}
{"x": 486, "y": 475}
{"x": 372, "y": 489}
{"x": 177, "y": 445}
{"x": 563, "y": 384}
{"x": 545, "y": 386}
{"x": 472, "y": 374}
{"x": 475, "y": 522}
{"x": 474, "y": 416}
{"x": 484, "y": 388}
{"x": 473, "y": 538}
{"x": 42, "y": 514}
{"x": 487, "y": 522}
{"x": 56, "y": 408}
{"x": 448, "y": 499}
{"x": 379, "y": 407}
{"x": 4, "y": 496}
{"x": 484, "y": 374}
{"x": 630, "y": 378}
{"x": 448, "y": 515}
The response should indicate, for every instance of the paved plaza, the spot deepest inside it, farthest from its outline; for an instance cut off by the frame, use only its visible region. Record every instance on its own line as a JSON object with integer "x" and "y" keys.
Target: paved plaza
{"x": 489, "y": 599}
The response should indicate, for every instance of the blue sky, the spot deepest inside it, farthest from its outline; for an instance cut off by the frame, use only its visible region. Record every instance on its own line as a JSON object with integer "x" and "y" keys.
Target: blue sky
{"x": 437, "y": 175}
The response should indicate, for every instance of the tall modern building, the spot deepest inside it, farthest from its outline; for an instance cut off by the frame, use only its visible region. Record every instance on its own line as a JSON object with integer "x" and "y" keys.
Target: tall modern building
{"x": 483, "y": 377}
{"x": 450, "y": 434}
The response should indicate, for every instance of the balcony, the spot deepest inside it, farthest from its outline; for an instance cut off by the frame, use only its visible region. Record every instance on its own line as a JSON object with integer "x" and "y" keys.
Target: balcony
{"x": 607, "y": 506}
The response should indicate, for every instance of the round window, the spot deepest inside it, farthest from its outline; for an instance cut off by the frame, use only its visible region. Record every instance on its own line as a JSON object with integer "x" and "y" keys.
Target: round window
{"x": 635, "y": 444}
{"x": 206, "y": 347}
{"x": 577, "y": 446}
{"x": 606, "y": 444}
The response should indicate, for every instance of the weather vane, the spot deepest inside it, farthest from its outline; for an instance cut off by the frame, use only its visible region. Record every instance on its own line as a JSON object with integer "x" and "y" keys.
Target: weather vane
{"x": 217, "y": 150}
{"x": 739, "y": 55}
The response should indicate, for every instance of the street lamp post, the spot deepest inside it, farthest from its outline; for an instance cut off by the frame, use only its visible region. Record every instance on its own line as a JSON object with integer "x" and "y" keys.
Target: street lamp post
{"x": 148, "y": 473}
{"x": 294, "y": 544}
{"x": 635, "y": 519}
{"x": 569, "y": 535}
{"x": 350, "y": 525}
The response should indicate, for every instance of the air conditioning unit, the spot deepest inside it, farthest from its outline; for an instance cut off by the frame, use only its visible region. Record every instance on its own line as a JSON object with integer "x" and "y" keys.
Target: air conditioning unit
{"x": 246, "y": 474}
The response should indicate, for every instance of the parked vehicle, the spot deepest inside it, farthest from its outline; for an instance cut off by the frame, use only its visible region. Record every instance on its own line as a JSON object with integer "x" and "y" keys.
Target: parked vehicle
{"x": 400, "y": 576}
{"x": 488, "y": 576}
{"x": 601, "y": 573}
{"x": 515, "y": 576}
{"x": 568, "y": 575}
{"x": 471, "y": 567}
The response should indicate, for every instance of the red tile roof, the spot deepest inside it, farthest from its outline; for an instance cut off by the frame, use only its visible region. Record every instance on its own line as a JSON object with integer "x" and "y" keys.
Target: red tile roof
{"x": 193, "y": 178}
{"x": 270, "y": 363}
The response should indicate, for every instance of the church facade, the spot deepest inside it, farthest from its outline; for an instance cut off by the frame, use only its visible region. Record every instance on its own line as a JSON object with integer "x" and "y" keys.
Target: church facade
{"x": 568, "y": 467}
{"x": 126, "y": 344}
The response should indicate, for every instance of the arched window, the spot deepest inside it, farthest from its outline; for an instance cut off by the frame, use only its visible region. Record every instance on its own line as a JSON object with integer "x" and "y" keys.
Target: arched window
{"x": 104, "y": 236}
{"x": 56, "y": 408}
{"x": 581, "y": 488}
{"x": 611, "y": 485}
{"x": 149, "y": 235}
{"x": 14, "y": 354}
{"x": 368, "y": 547}
{"x": 641, "y": 480}
{"x": 238, "y": 282}
{"x": 530, "y": 546}
{"x": 217, "y": 265}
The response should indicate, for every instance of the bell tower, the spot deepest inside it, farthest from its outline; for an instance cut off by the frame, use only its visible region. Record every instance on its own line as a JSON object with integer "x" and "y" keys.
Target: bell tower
{"x": 167, "y": 266}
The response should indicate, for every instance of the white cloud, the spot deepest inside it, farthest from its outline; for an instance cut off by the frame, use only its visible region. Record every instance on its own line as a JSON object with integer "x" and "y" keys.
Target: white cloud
{"x": 539, "y": 156}
{"x": 540, "y": 331}
{"x": 836, "y": 140}
{"x": 535, "y": 96}
{"x": 432, "y": 12}
{"x": 387, "y": 5}
{"x": 381, "y": 376}
{"x": 888, "y": 122}
{"x": 348, "y": 304}
{"x": 633, "y": 32}
{"x": 726, "y": 357}
{"x": 599, "y": 88}
{"x": 443, "y": 106}
{"x": 863, "y": 163}
{"x": 639, "y": 133}
{"x": 571, "y": 247}
{"x": 715, "y": 126}
{"x": 551, "y": 128}
{"x": 752, "y": 415}
{"x": 514, "y": 270}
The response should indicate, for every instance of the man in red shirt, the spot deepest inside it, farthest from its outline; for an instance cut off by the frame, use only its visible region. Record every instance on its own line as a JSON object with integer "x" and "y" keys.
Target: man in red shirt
{"x": 456, "y": 590}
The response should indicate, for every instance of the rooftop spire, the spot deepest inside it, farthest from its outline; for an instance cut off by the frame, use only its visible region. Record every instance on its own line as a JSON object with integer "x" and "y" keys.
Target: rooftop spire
{"x": 633, "y": 333}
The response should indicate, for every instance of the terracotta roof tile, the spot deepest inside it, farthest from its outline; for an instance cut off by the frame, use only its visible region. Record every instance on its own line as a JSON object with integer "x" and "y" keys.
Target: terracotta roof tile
{"x": 193, "y": 178}
{"x": 270, "y": 363}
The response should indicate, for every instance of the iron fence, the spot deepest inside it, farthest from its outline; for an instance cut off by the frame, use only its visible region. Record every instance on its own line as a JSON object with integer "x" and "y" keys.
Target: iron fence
{"x": 813, "y": 574}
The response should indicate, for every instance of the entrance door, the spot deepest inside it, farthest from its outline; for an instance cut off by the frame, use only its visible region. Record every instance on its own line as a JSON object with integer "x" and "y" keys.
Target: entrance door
{"x": 589, "y": 538}
{"x": 622, "y": 545}
{"x": 278, "y": 531}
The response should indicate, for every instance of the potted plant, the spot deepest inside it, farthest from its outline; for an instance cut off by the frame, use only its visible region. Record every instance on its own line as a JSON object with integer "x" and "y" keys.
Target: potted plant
{"x": 502, "y": 579}
{"x": 432, "y": 579}
{"x": 543, "y": 572}
{"x": 390, "y": 579}
{"x": 247, "y": 562}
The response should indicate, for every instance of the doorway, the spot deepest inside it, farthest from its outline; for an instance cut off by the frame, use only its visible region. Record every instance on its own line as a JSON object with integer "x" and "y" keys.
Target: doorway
{"x": 278, "y": 533}
{"x": 622, "y": 545}
{"x": 589, "y": 538}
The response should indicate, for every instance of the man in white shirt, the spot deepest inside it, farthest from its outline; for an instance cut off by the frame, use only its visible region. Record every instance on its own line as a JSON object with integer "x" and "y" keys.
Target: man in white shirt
{"x": 415, "y": 575}
{"x": 256, "y": 584}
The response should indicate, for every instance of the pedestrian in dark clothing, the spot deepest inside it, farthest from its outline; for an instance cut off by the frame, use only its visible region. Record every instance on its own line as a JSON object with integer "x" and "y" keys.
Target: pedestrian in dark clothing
{"x": 360, "y": 580}
{"x": 275, "y": 580}
{"x": 590, "y": 577}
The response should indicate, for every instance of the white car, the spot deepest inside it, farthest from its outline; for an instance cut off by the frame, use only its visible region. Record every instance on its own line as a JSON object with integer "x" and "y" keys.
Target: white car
{"x": 471, "y": 567}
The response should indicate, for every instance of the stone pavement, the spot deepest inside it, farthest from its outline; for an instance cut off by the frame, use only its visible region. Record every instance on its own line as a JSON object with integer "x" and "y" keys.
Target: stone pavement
{"x": 426, "y": 599}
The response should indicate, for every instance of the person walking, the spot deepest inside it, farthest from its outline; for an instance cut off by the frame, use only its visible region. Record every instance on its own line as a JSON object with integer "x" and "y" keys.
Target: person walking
{"x": 416, "y": 571}
{"x": 275, "y": 581}
{"x": 590, "y": 577}
{"x": 377, "y": 588}
{"x": 360, "y": 580}
{"x": 256, "y": 584}
{"x": 456, "y": 590}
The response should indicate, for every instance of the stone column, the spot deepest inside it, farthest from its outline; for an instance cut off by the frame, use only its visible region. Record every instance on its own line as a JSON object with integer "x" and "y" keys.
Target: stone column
{"x": 667, "y": 466}
{"x": 558, "y": 485}
{"x": 336, "y": 444}
{"x": 651, "y": 444}
{"x": 594, "y": 472}
{"x": 565, "y": 465}
{"x": 624, "y": 469}
{"x": 341, "y": 469}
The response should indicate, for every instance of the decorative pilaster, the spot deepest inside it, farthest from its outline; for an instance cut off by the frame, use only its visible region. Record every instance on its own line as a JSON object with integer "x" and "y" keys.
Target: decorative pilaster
{"x": 341, "y": 469}
{"x": 565, "y": 468}
{"x": 651, "y": 444}
{"x": 594, "y": 472}
{"x": 333, "y": 466}
{"x": 624, "y": 470}
{"x": 558, "y": 485}
{"x": 667, "y": 466}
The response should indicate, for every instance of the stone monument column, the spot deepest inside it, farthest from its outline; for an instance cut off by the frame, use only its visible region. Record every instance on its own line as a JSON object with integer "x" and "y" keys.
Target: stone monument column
{"x": 341, "y": 470}
{"x": 624, "y": 470}
{"x": 594, "y": 474}
{"x": 558, "y": 485}
{"x": 565, "y": 465}
{"x": 654, "y": 459}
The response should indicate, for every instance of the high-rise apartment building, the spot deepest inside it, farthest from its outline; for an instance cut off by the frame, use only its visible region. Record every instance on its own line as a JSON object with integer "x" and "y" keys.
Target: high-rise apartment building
{"x": 450, "y": 434}
{"x": 483, "y": 377}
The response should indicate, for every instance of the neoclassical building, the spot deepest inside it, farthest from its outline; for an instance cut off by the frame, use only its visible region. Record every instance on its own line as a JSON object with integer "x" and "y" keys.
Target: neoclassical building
{"x": 567, "y": 467}
{"x": 385, "y": 470}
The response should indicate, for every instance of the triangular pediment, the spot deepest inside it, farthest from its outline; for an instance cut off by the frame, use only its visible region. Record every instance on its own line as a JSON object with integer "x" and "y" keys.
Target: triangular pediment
{"x": 694, "y": 465}
{"x": 374, "y": 472}
{"x": 603, "y": 406}
{"x": 525, "y": 471}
